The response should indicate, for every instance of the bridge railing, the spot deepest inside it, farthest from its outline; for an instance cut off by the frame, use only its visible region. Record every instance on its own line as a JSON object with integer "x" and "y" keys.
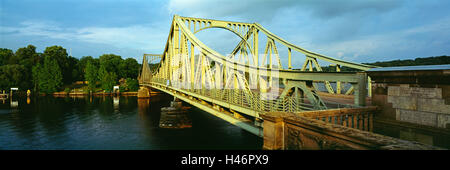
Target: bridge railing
{"x": 245, "y": 98}
{"x": 289, "y": 131}
{"x": 358, "y": 118}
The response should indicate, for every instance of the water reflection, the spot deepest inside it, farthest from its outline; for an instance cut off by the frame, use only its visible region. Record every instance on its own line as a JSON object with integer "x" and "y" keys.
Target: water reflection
{"x": 14, "y": 104}
{"x": 107, "y": 122}
{"x": 116, "y": 103}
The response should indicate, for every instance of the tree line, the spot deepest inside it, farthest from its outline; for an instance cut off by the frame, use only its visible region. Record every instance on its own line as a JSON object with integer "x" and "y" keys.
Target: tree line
{"x": 54, "y": 69}
{"x": 436, "y": 60}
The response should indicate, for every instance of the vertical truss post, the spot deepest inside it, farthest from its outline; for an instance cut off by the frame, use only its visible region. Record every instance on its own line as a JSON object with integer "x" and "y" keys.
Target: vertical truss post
{"x": 203, "y": 65}
{"x": 176, "y": 49}
{"x": 369, "y": 86}
{"x": 192, "y": 66}
{"x": 289, "y": 59}
{"x": 338, "y": 83}
{"x": 255, "y": 57}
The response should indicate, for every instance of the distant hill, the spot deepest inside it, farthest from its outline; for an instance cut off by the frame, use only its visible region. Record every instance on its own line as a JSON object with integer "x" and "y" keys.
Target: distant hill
{"x": 418, "y": 61}
{"x": 439, "y": 60}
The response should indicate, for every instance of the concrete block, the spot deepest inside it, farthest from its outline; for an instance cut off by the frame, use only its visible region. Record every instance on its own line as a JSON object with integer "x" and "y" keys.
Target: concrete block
{"x": 433, "y": 105}
{"x": 402, "y": 102}
{"x": 393, "y": 91}
{"x": 435, "y": 93}
{"x": 391, "y": 99}
{"x": 405, "y": 91}
{"x": 443, "y": 121}
{"x": 423, "y": 118}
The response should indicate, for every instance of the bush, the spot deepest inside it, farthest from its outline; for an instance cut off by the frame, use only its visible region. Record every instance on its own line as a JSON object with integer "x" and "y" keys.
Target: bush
{"x": 67, "y": 90}
{"x": 132, "y": 84}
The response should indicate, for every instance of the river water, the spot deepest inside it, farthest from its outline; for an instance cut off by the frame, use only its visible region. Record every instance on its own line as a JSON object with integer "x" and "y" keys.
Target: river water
{"x": 117, "y": 123}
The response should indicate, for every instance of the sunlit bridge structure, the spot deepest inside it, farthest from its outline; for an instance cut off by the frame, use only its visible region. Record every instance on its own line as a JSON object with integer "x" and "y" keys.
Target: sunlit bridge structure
{"x": 246, "y": 83}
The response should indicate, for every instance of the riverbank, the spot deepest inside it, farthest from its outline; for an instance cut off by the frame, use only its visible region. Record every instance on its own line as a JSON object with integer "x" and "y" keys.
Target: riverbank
{"x": 95, "y": 94}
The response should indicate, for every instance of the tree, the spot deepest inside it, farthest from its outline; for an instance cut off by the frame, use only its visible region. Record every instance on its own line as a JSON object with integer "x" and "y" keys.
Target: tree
{"x": 129, "y": 68}
{"x": 91, "y": 75}
{"x": 82, "y": 63}
{"x": 132, "y": 84}
{"x": 11, "y": 75}
{"x": 107, "y": 79}
{"x": 75, "y": 74}
{"x": 35, "y": 73}
{"x": 59, "y": 54}
{"x": 27, "y": 57}
{"x": 5, "y": 55}
{"x": 110, "y": 62}
{"x": 49, "y": 77}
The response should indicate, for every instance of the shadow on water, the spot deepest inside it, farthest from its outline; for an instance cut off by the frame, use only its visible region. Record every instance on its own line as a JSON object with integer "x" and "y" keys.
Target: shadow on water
{"x": 107, "y": 122}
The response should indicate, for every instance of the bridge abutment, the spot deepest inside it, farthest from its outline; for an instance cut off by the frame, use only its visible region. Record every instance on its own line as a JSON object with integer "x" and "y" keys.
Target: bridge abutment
{"x": 414, "y": 102}
{"x": 284, "y": 131}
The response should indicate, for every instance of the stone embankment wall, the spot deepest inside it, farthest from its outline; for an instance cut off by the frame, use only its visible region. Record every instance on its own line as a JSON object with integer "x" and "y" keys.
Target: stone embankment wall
{"x": 420, "y": 105}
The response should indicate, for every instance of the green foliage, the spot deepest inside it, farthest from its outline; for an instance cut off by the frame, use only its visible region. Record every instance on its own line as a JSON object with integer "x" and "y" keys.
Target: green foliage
{"x": 26, "y": 56}
{"x": 48, "y": 71}
{"x": 73, "y": 73}
{"x": 82, "y": 63}
{"x": 418, "y": 61}
{"x": 35, "y": 72}
{"x": 107, "y": 79}
{"x": 59, "y": 54}
{"x": 132, "y": 84}
{"x": 11, "y": 75}
{"x": 129, "y": 68}
{"x": 48, "y": 76}
{"x": 67, "y": 90}
{"x": 5, "y": 55}
{"x": 91, "y": 75}
{"x": 110, "y": 62}
{"x": 395, "y": 63}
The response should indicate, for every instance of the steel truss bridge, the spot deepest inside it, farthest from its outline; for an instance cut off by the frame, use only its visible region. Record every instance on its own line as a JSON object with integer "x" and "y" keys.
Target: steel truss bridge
{"x": 247, "y": 83}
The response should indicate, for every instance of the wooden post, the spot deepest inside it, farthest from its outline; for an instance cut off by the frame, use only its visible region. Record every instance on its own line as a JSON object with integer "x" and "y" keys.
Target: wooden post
{"x": 370, "y": 122}
{"x": 366, "y": 122}
{"x": 360, "y": 121}
{"x": 344, "y": 120}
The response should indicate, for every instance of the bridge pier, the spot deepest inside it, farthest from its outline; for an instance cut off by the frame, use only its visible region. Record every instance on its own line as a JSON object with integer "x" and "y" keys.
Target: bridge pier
{"x": 175, "y": 116}
{"x": 143, "y": 92}
{"x": 146, "y": 92}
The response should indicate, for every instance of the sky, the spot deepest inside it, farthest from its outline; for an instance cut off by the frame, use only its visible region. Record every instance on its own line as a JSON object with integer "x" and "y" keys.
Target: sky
{"x": 354, "y": 30}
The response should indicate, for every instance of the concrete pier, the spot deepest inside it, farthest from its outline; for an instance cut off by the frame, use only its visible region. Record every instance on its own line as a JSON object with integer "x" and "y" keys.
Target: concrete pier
{"x": 143, "y": 92}
{"x": 175, "y": 116}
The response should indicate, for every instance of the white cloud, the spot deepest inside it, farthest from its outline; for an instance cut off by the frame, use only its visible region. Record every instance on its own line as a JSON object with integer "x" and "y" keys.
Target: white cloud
{"x": 141, "y": 37}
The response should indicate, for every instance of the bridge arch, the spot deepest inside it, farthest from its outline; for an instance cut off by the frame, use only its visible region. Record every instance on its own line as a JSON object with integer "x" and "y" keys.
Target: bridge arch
{"x": 228, "y": 29}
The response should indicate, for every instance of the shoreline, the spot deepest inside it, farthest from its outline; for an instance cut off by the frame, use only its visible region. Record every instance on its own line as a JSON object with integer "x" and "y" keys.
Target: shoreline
{"x": 94, "y": 94}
